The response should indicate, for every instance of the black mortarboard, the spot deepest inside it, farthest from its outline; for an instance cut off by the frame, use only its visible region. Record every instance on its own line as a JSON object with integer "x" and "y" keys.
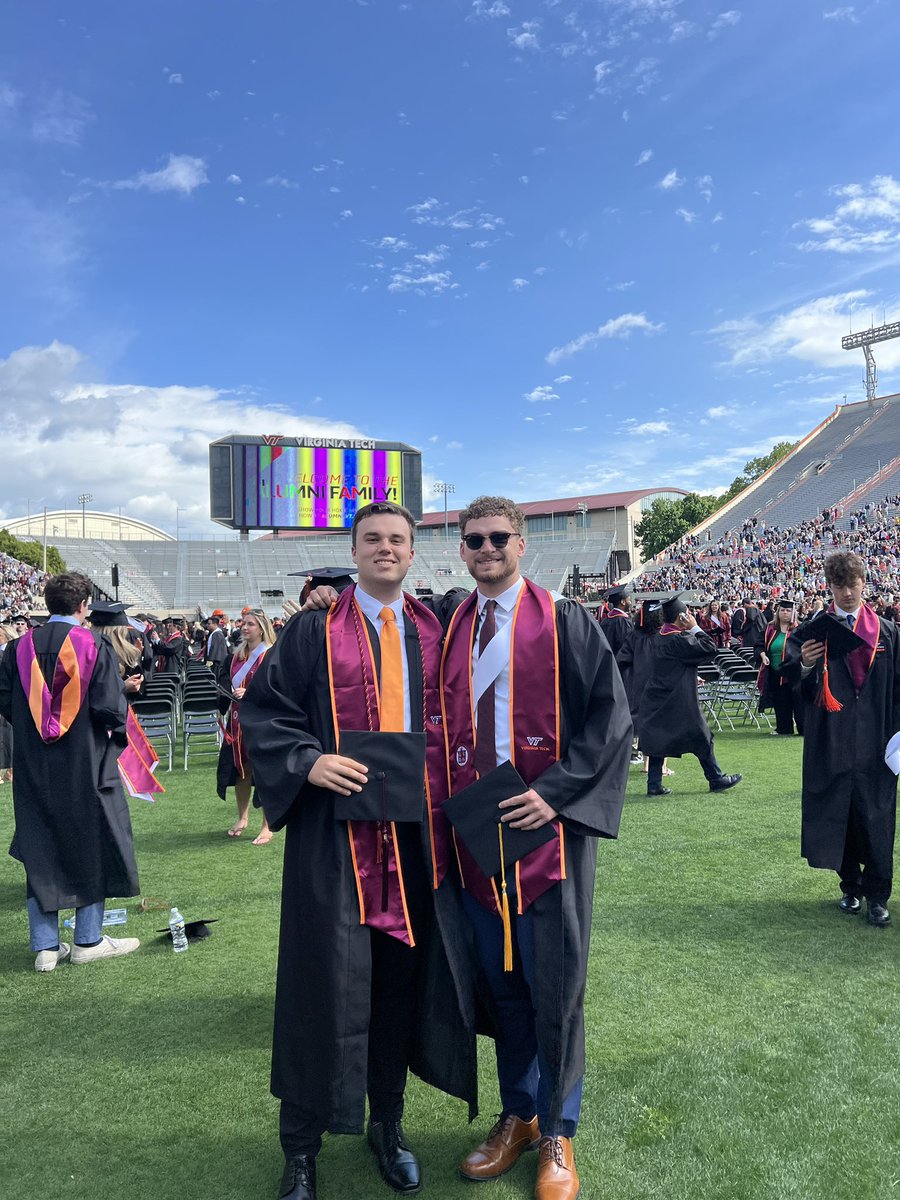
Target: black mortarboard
{"x": 786, "y": 604}
{"x": 195, "y": 931}
{"x": 395, "y": 790}
{"x": 616, "y": 593}
{"x": 833, "y": 631}
{"x": 37, "y": 621}
{"x": 673, "y": 606}
{"x": 336, "y": 577}
{"x": 475, "y": 814}
{"x": 108, "y": 612}
{"x": 18, "y": 617}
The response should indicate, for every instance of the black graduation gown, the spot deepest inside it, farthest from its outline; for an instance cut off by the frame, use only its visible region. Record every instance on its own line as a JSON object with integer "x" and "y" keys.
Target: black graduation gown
{"x": 670, "y": 722}
{"x": 587, "y": 788}
{"x": 172, "y": 654}
{"x": 616, "y": 630}
{"x": 843, "y": 754}
{"x": 322, "y": 999}
{"x": 73, "y": 830}
{"x": 635, "y": 658}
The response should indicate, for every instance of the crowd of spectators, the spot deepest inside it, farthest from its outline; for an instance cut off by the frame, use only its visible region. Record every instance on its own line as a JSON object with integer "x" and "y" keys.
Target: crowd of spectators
{"x": 21, "y": 587}
{"x": 758, "y": 560}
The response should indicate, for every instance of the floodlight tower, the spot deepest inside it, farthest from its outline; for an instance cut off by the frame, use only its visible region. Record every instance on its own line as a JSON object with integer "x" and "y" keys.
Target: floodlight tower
{"x": 865, "y": 340}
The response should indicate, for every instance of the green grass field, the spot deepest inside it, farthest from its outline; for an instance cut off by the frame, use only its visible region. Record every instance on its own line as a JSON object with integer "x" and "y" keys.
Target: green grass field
{"x": 743, "y": 1036}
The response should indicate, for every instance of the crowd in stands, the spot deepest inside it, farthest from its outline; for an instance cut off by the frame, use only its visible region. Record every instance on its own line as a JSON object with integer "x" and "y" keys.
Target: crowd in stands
{"x": 758, "y": 560}
{"x": 20, "y": 587}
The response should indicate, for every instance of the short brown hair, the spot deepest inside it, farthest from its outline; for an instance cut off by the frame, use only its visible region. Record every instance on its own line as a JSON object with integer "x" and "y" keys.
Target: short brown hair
{"x": 383, "y": 508}
{"x": 492, "y": 506}
{"x": 843, "y": 567}
{"x": 64, "y": 593}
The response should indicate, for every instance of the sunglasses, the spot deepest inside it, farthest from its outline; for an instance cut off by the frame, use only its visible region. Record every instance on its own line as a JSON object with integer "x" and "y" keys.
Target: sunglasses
{"x": 474, "y": 541}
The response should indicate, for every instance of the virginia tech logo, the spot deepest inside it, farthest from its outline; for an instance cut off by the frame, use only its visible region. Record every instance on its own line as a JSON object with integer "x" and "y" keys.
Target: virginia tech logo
{"x": 534, "y": 741}
{"x": 272, "y": 439}
{"x": 436, "y": 720}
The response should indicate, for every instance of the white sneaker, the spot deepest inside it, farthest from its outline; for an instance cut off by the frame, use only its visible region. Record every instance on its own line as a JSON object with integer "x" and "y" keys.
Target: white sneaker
{"x": 46, "y": 960}
{"x": 108, "y": 947}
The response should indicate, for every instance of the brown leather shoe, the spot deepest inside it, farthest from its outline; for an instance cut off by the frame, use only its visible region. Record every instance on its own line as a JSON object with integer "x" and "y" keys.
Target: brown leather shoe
{"x": 502, "y": 1149}
{"x": 557, "y": 1178}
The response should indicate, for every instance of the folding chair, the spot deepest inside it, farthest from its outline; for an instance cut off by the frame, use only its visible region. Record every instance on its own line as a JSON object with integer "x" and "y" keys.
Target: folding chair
{"x": 200, "y": 720}
{"x": 157, "y": 719}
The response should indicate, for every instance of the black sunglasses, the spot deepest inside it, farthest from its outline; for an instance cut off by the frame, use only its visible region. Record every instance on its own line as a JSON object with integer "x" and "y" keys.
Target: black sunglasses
{"x": 475, "y": 541}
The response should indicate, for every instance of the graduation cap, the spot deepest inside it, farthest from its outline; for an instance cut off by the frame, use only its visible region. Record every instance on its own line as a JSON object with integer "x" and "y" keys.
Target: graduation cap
{"x": 672, "y": 605}
{"x": 108, "y": 613}
{"x": 37, "y": 621}
{"x": 339, "y": 578}
{"x": 195, "y": 931}
{"x": 476, "y": 816}
{"x": 837, "y": 635}
{"x": 395, "y": 790}
{"x": 787, "y": 604}
{"x": 18, "y": 617}
{"x": 616, "y": 593}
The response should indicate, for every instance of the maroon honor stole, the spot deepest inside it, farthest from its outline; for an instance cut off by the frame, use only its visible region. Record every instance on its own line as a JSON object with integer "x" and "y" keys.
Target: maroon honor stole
{"x": 859, "y": 661}
{"x": 54, "y": 709}
{"x": 534, "y": 728}
{"x": 355, "y": 705}
{"x": 241, "y": 675}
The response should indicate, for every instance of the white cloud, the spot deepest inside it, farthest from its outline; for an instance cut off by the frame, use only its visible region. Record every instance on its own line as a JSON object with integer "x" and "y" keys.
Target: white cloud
{"x": 283, "y": 182}
{"x": 867, "y": 218}
{"x": 454, "y": 446}
{"x": 810, "y": 332}
{"x": 525, "y": 38}
{"x": 182, "y": 173}
{"x": 9, "y": 97}
{"x": 519, "y": 284}
{"x": 432, "y": 257}
{"x": 725, "y": 20}
{"x": 686, "y": 215}
{"x": 421, "y": 282}
{"x": 240, "y": 199}
{"x": 651, "y": 427}
{"x": 483, "y": 266}
{"x": 720, "y": 410}
{"x": 846, "y": 13}
{"x": 601, "y": 70}
{"x": 394, "y": 244}
{"x": 563, "y": 379}
{"x": 670, "y": 181}
{"x": 61, "y": 118}
{"x": 643, "y": 157}
{"x": 704, "y": 187}
{"x": 621, "y": 287}
{"x": 523, "y": 179}
{"x": 346, "y": 214}
{"x": 176, "y": 77}
{"x": 489, "y": 8}
{"x": 542, "y": 393}
{"x": 156, "y": 437}
{"x": 617, "y": 327}
{"x": 235, "y": 179}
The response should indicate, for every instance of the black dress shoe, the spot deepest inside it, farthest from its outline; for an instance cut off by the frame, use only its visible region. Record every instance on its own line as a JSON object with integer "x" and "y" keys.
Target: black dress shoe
{"x": 299, "y": 1179}
{"x": 659, "y": 791}
{"x": 724, "y": 782}
{"x": 877, "y": 915}
{"x": 850, "y": 905}
{"x": 397, "y": 1163}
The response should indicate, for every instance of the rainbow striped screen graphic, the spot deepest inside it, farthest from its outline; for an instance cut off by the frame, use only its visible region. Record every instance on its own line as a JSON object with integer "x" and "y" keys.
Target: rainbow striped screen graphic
{"x": 299, "y": 487}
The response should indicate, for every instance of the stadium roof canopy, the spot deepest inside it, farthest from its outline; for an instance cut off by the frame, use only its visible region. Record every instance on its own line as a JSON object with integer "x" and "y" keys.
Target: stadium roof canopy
{"x": 72, "y": 523}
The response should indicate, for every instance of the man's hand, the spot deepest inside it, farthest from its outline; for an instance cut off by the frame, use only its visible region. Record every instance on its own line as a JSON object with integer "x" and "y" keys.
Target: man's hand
{"x": 811, "y": 652}
{"x": 133, "y": 684}
{"x": 338, "y": 774}
{"x": 527, "y": 811}
{"x": 321, "y": 597}
{"x": 290, "y": 607}
{"x": 238, "y": 692}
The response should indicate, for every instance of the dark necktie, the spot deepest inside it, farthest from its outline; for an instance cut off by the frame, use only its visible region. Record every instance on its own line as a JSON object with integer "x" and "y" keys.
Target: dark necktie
{"x": 485, "y": 740}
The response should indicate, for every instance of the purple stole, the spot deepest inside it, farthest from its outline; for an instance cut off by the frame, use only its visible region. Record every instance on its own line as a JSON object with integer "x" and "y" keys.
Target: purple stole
{"x": 534, "y": 729}
{"x": 54, "y": 709}
{"x": 859, "y": 661}
{"x": 136, "y": 763}
{"x": 353, "y": 683}
{"x": 232, "y": 728}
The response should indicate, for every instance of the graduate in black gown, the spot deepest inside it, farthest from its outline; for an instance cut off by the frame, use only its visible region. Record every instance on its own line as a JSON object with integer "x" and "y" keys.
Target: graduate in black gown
{"x": 670, "y": 721}
{"x": 617, "y": 621}
{"x": 73, "y": 831}
{"x": 851, "y": 711}
{"x": 358, "y": 1004}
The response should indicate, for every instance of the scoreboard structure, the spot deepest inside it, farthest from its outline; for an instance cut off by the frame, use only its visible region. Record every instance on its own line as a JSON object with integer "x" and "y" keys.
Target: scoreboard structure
{"x": 274, "y": 482}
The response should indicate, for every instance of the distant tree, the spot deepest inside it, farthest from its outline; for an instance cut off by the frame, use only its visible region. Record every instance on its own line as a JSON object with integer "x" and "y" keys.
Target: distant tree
{"x": 31, "y": 553}
{"x": 696, "y": 508}
{"x": 756, "y": 467}
{"x": 660, "y": 525}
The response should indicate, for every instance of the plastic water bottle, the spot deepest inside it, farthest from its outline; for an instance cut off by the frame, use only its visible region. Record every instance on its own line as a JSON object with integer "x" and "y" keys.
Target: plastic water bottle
{"x": 111, "y": 916}
{"x": 176, "y": 927}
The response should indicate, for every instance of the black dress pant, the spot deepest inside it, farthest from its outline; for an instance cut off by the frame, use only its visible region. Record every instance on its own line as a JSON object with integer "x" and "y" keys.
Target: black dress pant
{"x": 857, "y": 877}
{"x": 394, "y": 1004}
{"x": 788, "y": 708}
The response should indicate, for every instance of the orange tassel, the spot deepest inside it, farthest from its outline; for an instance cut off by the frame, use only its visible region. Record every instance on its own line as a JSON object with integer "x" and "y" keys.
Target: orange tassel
{"x": 826, "y": 698}
{"x": 504, "y": 913}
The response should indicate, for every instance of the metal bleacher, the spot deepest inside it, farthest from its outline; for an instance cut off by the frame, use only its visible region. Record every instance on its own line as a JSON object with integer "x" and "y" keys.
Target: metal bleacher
{"x": 180, "y": 576}
{"x": 853, "y": 454}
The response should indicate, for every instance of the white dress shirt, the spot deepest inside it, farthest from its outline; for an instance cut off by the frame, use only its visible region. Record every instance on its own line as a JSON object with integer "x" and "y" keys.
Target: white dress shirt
{"x": 372, "y": 611}
{"x": 503, "y": 614}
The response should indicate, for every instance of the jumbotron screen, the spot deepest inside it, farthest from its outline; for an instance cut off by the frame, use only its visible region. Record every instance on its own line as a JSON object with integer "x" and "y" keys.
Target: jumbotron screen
{"x": 308, "y": 483}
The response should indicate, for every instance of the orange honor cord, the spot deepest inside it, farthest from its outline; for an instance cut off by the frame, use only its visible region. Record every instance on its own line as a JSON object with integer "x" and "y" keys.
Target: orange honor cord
{"x": 505, "y": 917}
{"x": 412, "y": 940}
{"x": 337, "y": 735}
{"x": 826, "y": 698}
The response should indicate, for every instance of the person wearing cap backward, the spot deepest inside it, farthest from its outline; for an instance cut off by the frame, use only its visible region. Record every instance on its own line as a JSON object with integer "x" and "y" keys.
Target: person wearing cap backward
{"x": 374, "y": 971}
{"x": 851, "y": 711}
{"x": 669, "y": 721}
{"x": 61, "y": 690}
{"x": 528, "y": 677}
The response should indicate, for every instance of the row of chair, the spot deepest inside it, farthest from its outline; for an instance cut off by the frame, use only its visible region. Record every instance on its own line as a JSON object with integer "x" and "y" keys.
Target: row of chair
{"x": 187, "y": 702}
{"x": 727, "y": 690}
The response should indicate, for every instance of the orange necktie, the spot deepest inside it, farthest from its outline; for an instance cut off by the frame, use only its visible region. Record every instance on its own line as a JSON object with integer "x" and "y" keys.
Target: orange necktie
{"x": 392, "y": 717}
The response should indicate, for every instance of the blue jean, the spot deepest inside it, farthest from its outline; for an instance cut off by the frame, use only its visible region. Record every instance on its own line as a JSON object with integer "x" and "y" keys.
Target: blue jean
{"x": 44, "y": 926}
{"x": 525, "y": 1079}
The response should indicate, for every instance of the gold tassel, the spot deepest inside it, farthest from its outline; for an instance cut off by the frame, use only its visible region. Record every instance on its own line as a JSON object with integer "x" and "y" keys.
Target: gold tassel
{"x": 507, "y": 924}
{"x": 826, "y": 698}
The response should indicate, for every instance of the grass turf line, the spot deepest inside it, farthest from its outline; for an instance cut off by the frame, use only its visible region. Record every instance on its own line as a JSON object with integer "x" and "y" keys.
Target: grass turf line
{"x": 742, "y": 1035}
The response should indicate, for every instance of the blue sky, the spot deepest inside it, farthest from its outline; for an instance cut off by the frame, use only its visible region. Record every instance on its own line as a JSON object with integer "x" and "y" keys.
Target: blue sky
{"x": 563, "y": 246}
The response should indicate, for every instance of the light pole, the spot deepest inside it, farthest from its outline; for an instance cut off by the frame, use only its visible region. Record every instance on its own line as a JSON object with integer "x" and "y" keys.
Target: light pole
{"x": 177, "y": 512}
{"x": 83, "y": 499}
{"x": 445, "y": 490}
{"x": 582, "y": 510}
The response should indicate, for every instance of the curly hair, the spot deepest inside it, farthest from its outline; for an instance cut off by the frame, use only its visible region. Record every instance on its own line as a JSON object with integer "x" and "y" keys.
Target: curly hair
{"x": 492, "y": 506}
{"x": 64, "y": 593}
{"x": 843, "y": 567}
